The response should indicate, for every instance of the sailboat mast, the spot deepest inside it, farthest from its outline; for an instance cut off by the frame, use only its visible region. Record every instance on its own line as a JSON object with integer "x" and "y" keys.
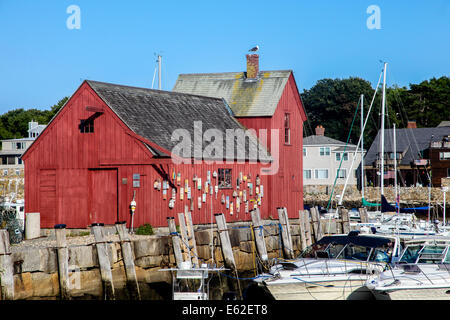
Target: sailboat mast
{"x": 383, "y": 104}
{"x": 362, "y": 146}
{"x": 395, "y": 170}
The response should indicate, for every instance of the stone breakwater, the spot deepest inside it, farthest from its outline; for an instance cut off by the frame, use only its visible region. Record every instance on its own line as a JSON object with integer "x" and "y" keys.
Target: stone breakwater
{"x": 411, "y": 196}
{"x": 36, "y": 265}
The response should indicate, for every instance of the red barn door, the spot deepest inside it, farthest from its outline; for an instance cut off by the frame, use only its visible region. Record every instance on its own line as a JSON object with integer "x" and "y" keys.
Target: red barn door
{"x": 103, "y": 196}
{"x": 47, "y": 197}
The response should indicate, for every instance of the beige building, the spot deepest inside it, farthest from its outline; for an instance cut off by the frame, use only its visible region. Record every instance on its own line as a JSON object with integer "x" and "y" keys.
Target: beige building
{"x": 322, "y": 157}
{"x": 12, "y": 150}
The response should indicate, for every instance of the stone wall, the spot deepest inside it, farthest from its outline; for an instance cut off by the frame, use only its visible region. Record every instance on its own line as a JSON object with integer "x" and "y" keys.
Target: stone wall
{"x": 36, "y": 265}
{"x": 314, "y": 195}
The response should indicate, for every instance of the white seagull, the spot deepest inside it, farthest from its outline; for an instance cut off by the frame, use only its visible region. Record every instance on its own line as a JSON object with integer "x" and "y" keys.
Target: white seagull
{"x": 254, "y": 49}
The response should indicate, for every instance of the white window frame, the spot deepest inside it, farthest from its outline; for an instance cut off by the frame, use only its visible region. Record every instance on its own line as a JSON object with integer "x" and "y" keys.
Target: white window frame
{"x": 304, "y": 151}
{"x": 310, "y": 174}
{"x": 341, "y": 170}
{"x": 444, "y": 155}
{"x": 316, "y": 176}
{"x": 326, "y": 151}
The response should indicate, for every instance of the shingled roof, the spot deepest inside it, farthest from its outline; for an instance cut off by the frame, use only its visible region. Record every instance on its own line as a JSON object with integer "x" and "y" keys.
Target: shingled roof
{"x": 246, "y": 97}
{"x": 409, "y": 141}
{"x": 155, "y": 114}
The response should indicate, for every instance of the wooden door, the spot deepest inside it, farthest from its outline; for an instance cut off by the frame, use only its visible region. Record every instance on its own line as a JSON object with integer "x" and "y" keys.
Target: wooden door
{"x": 103, "y": 196}
{"x": 47, "y": 196}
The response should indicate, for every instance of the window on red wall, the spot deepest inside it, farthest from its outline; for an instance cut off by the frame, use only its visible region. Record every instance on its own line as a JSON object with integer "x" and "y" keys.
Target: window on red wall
{"x": 287, "y": 129}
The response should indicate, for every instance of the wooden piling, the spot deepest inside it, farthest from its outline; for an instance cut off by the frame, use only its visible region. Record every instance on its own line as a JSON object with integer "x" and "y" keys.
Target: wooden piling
{"x": 301, "y": 222}
{"x": 317, "y": 226}
{"x": 191, "y": 237}
{"x": 308, "y": 229}
{"x": 225, "y": 241}
{"x": 6, "y": 267}
{"x": 175, "y": 241}
{"x": 259, "y": 234}
{"x": 363, "y": 215}
{"x": 184, "y": 239}
{"x": 285, "y": 233}
{"x": 63, "y": 261}
{"x": 345, "y": 220}
{"x": 128, "y": 261}
{"x": 103, "y": 260}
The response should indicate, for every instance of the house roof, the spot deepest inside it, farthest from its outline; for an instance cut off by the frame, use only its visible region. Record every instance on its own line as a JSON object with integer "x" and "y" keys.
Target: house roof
{"x": 246, "y": 97}
{"x": 323, "y": 140}
{"x": 155, "y": 115}
{"x": 409, "y": 141}
{"x": 444, "y": 124}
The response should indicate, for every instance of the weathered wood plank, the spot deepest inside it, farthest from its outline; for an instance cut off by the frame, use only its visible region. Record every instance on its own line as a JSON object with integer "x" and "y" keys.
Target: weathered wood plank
{"x": 191, "y": 237}
{"x": 259, "y": 234}
{"x": 6, "y": 266}
{"x": 225, "y": 241}
{"x": 63, "y": 261}
{"x": 128, "y": 261}
{"x": 301, "y": 220}
{"x": 345, "y": 220}
{"x": 285, "y": 233}
{"x": 175, "y": 241}
{"x": 184, "y": 238}
{"x": 103, "y": 260}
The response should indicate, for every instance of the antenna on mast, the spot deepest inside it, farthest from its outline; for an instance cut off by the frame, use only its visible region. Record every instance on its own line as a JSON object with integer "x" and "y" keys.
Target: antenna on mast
{"x": 158, "y": 66}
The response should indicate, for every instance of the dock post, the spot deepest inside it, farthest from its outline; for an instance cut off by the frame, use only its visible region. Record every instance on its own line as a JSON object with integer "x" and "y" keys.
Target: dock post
{"x": 103, "y": 260}
{"x": 128, "y": 261}
{"x": 225, "y": 241}
{"x": 285, "y": 233}
{"x": 363, "y": 215}
{"x": 301, "y": 220}
{"x": 345, "y": 221}
{"x": 175, "y": 241}
{"x": 191, "y": 237}
{"x": 63, "y": 261}
{"x": 259, "y": 234}
{"x": 184, "y": 239}
{"x": 317, "y": 227}
{"x": 6, "y": 266}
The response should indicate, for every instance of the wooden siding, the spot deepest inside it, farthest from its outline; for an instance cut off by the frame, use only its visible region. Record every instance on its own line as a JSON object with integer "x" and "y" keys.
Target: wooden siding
{"x": 73, "y": 156}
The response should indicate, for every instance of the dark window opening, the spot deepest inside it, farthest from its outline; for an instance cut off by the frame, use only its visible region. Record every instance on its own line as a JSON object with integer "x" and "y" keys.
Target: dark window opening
{"x": 86, "y": 126}
{"x": 224, "y": 178}
{"x": 287, "y": 129}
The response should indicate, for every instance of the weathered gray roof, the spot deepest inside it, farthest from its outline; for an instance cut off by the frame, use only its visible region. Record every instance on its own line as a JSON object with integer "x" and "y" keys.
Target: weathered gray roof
{"x": 410, "y": 141}
{"x": 155, "y": 115}
{"x": 323, "y": 140}
{"x": 444, "y": 124}
{"x": 246, "y": 97}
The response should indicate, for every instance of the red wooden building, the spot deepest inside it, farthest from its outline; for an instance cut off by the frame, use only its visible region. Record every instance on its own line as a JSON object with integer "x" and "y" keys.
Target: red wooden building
{"x": 110, "y": 144}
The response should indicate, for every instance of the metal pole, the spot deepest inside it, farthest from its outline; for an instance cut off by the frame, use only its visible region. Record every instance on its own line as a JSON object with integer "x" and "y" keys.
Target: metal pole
{"x": 444, "y": 223}
{"x": 159, "y": 72}
{"x": 383, "y": 104}
{"x": 362, "y": 145}
{"x": 397, "y": 200}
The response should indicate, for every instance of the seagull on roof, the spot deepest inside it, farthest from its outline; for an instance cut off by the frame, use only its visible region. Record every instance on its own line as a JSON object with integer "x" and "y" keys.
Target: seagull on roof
{"x": 254, "y": 49}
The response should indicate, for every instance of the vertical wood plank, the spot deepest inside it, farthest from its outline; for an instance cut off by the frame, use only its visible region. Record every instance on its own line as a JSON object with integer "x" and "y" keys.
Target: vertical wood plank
{"x": 308, "y": 229}
{"x": 363, "y": 215}
{"x": 6, "y": 278}
{"x": 175, "y": 241}
{"x": 225, "y": 241}
{"x": 184, "y": 238}
{"x": 345, "y": 220}
{"x": 191, "y": 238}
{"x": 259, "y": 234}
{"x": 63, "y": 261}
{"x": 301, "y": 220}
{"x": 103, "y": 260}
{"x": 285, "y": 233}
{"x": 128, "y": 260}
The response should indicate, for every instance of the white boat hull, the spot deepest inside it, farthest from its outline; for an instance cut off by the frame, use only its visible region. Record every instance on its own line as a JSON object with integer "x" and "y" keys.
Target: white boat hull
{"x": 414, "y": 294}
{"x": 321, "y": 290}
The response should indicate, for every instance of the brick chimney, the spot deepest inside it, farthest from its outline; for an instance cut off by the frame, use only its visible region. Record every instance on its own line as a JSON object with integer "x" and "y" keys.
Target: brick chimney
{"x": 252, "y": 66}
{"x": 411, "y": 124}
{"x": 320, "y": 131}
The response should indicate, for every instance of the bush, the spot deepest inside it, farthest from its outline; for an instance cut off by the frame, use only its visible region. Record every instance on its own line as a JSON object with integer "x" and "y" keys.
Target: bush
{"x": 145, "y": 229}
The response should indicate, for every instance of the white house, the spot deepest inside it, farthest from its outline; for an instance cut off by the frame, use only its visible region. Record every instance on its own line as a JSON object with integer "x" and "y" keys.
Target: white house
{"x": 12, "y": 150}
{"x": 322, "y": 157}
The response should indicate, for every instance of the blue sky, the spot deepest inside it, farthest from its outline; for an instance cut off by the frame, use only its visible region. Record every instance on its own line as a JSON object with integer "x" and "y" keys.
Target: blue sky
{"x": 41, "y": 60}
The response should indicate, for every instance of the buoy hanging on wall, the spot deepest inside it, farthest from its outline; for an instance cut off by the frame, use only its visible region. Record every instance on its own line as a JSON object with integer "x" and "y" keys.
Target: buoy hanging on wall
{"x": 181, "y": 193}
{"x": 231, "y": 208}
{"x": 199, "y": 203}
